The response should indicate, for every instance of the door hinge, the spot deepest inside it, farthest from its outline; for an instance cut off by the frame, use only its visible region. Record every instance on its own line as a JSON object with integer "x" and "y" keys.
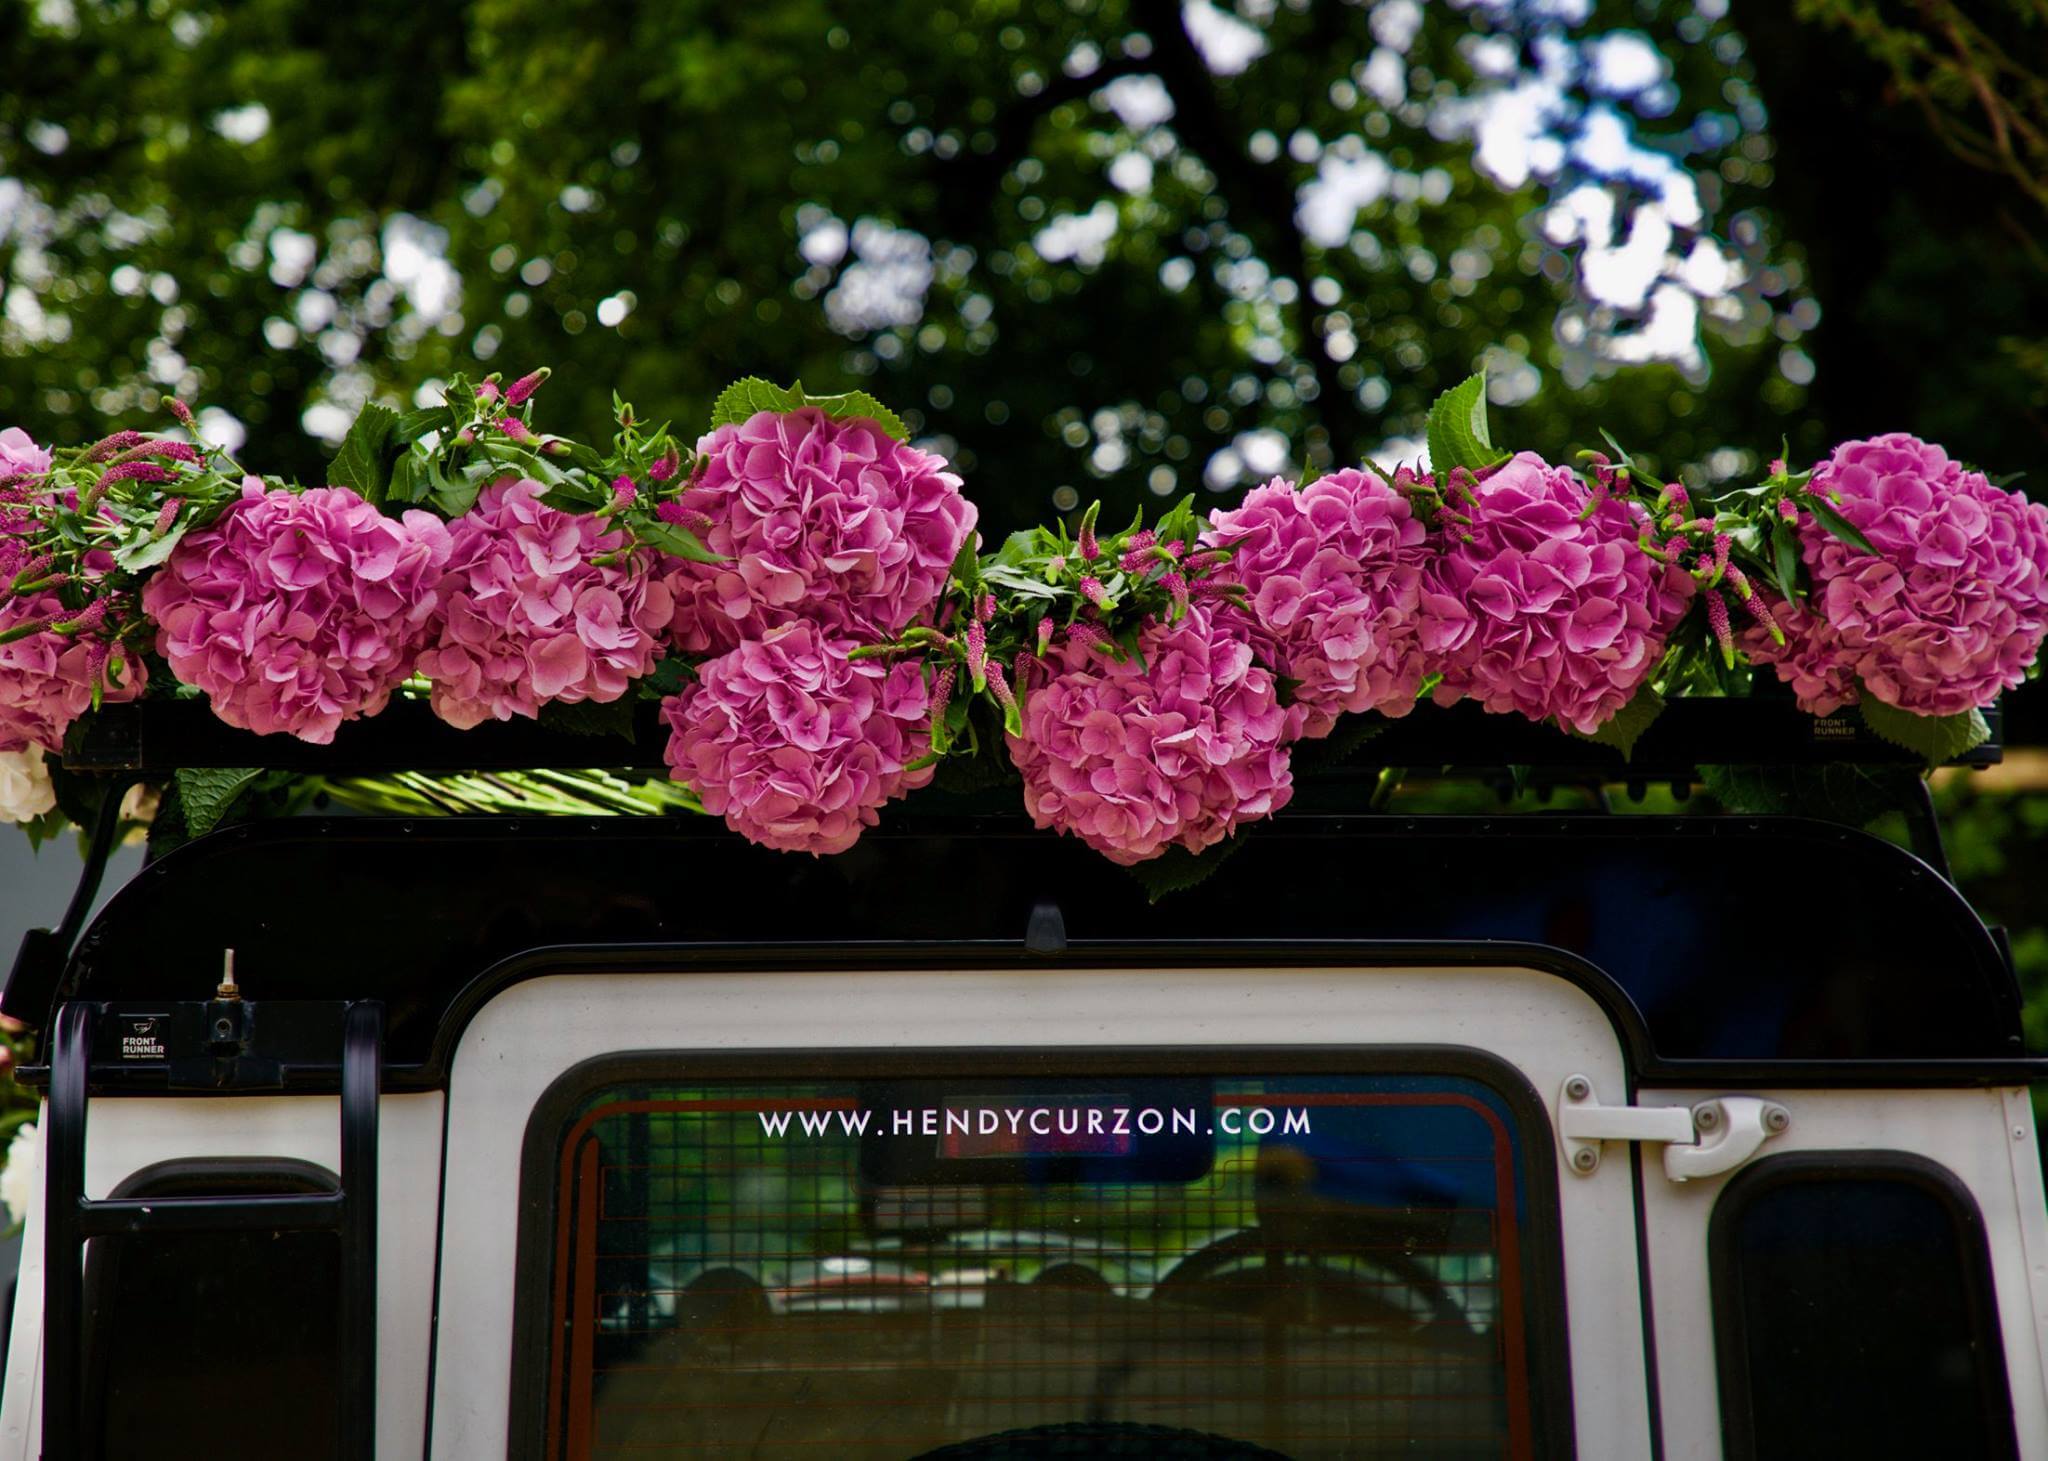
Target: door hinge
{"x": 1700, "y": 1141}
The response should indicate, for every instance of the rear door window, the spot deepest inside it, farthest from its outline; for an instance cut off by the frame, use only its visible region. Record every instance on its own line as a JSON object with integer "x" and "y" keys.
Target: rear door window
{"x": 1854, "y": 1313}
{"x": 1320, "y": 1264}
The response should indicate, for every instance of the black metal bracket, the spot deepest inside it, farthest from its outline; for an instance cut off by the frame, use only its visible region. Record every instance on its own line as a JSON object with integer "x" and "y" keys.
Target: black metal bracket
{"x": 70, "y": 1218}
{"x": 39, "y": 962}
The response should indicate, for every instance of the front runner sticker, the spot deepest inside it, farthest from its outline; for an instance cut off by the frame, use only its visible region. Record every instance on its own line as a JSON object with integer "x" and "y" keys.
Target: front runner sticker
{"x": 142, "y": 1038}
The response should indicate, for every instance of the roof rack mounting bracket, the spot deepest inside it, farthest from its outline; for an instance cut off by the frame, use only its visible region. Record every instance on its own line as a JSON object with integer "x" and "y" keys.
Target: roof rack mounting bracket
{"x": 1705, "y": 1140}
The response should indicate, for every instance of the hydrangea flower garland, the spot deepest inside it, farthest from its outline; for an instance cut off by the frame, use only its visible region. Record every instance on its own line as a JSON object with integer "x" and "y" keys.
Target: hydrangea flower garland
{"x": 808, "y": 591}
{"x": 1544, "y": 604}
{"x": 1333, "y": 575}
{"x": 295, "y": 612}
{"x": 813, "y": 518}
{"x": 1175, "y": 746}
{"x": 1949, "y": 609}
{"x": 796, "y": 743}
{"x": 530, "y": 614}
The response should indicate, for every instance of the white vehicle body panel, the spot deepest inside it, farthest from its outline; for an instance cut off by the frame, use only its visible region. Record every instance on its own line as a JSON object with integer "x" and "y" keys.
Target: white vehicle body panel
{"x": 527, "y": 1037}
{"x": 126, "y": 1134}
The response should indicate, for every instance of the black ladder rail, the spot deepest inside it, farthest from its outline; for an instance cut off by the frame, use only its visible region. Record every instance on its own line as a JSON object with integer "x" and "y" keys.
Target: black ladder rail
{"x": 70, "y": 1218}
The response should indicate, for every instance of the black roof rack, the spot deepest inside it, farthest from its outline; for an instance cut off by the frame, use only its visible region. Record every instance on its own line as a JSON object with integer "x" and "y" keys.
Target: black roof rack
{"x": 1746, "y": 949}
{"x": 158, "y": 736}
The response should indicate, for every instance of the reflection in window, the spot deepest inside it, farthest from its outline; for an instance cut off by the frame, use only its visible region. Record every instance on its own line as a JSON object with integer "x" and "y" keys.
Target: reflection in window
{"x": 1854, "y": 1313}
{"x": 1326, "y": 1266}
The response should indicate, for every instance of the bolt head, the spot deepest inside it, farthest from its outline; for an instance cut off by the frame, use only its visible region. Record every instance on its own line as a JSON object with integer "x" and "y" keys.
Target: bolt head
{"x": 1578, "y": 1088}
{"x": 1776, "y": 1118}
{"x": 1707, "y": 1119}
{"x": 1585, "y": 1159}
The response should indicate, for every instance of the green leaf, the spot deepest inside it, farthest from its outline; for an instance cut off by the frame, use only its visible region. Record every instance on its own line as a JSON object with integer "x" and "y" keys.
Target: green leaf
{"x": 1626, "y": 726}
{"x": 208, "y": 795}
{"x": 860, "y": 406}
{"x": 1835, "y": 523}
{"x": 589, "y": 718}
{"x": 678, "y": 541}
{"x": 1176, "y": 869}
{"x": 1784, "y": 559}
{"x": 41, "y": 829}
{"x": 148, "y": 552}
{"x": 1838, "y": 792}
{"x": 361, "y": 463}
{"x": 1621, "y": 455}
{"x": 1457, "y": 430}
{"x": 1936, "y": 738}
{"x": 413, "y": 425}
{"x": 410, "y": 481}
{"x": 744, "y": 399}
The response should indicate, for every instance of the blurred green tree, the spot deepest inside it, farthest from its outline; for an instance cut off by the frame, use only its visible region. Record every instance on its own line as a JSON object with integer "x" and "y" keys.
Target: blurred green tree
{"x": 1091, "y": 247}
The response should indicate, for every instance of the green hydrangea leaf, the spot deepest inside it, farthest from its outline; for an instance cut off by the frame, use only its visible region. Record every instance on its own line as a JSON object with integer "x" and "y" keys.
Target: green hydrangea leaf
{"x": 1626, "y": 726}
{"x": 589, "y": 718}
{"x": 1838, "y": 792}
{"x": 1825, "y": 514}
{"x": 744, "y": 399}
{"x": 1176, "y": 869}
{"x": 206, "y": 795}
{"x": 1938, "y": 739}
{"x": 1457, "y": 431}
{"x": 678, "y": 541}
{"x": 364, "y": 459}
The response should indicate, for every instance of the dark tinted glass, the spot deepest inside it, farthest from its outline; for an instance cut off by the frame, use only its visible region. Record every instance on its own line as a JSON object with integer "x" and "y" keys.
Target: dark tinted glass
{"x": 208, "y": 1345}
{"x": 1326, "y": 1266}
{"x": 1855, "y": 1316}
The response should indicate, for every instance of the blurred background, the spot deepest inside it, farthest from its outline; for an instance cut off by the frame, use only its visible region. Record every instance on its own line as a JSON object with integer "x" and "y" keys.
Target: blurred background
{"x": 1126, "y": 249}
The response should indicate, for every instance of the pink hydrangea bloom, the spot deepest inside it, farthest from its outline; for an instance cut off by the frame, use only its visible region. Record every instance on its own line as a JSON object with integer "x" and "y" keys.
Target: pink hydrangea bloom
{"x": 1334, "y": 579}
{"x": 1533, "y": 610}
{"x": 1812, "y": 660}
{"x": 795, "y": 743}
{"x": 1136, "y": 760}
{"x": 20, "y": 454}
{"x": 527, "y": 618}
{"x": 827, "y": 520}
{"x": 296, "y": 612}
{"x": 46, "y": 680}
{"x": 1953, "y": 606}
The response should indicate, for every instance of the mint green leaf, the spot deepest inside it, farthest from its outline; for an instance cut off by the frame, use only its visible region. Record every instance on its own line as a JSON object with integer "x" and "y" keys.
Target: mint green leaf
{"x": 148, "y": 552}
{"x": 1626, "y": 726}
{"x": 744, "y": 399}
{"x": 410, "y": 482}
{"x": 361, "y": 462}
{"x": 1834, "y": 522}
{"x": 747, "y": 398}
{"x": 669, "y": 538}
{"x": 1176, "y": 869}
{"x": 205, "y": 796}
{"x": 1457, "y": 431}
{"x": 860, "y": 406}
{"x": 1936, "y": 738}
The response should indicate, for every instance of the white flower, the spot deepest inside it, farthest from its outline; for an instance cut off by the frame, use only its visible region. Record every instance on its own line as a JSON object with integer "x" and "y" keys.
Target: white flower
{"x": 25, "y": 789}
{"x": 18, "y": 1177}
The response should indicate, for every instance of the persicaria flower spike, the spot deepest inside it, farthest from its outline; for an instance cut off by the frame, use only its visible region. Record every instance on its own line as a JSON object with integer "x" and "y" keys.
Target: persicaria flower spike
{"x": 520, "y": 390}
